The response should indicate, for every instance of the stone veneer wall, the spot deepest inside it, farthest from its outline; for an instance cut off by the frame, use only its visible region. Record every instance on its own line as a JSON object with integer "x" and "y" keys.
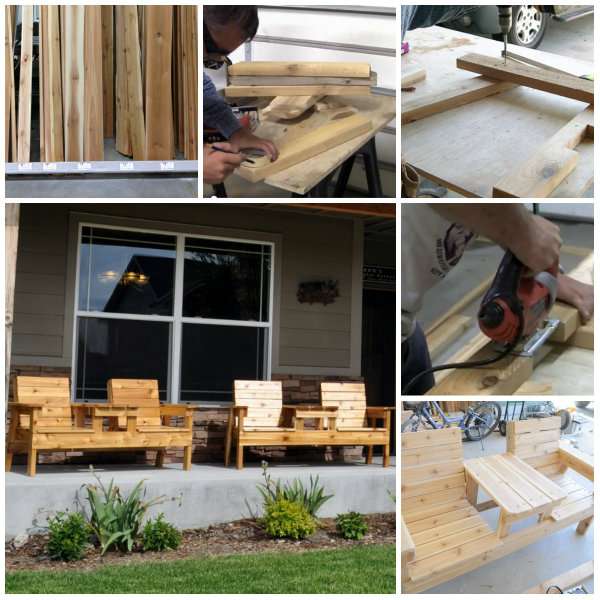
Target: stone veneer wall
{"x": 209, "y": 429}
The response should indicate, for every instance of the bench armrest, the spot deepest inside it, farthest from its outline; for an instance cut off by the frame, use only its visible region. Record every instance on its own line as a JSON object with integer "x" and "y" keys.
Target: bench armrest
{"x": 25, "y": 408}
{"x": 378, "y": 411}
{"x": 407, "y": 550}
{"x": 578, "y": 461}
{"x": 174, "y": 410}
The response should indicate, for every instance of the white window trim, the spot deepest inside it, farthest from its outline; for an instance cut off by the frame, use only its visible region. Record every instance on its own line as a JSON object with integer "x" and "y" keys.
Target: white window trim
{"x": 177, "y": 319}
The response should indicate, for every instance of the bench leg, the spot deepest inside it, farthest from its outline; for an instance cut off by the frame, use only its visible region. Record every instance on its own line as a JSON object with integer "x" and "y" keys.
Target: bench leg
{"x": 369, "y": 454}
{"x": 503, "y": 525}
{"x": 582, "y": 526}
{"x": 239, "y": 456}
{"x": 472, "y": 490}
{"x": 386, "y": 455}
{"x": 160, "y": 458}
{"x": 187, "y": 458}
{"x": 8, "y": 460}
{"x": 31, "y": 462}
{"x": 228, "y": 439}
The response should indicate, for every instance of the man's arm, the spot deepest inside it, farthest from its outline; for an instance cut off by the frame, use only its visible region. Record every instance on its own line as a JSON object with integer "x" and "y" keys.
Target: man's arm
{"x": 535, "y": 241}
{"x": 217, "y": 113}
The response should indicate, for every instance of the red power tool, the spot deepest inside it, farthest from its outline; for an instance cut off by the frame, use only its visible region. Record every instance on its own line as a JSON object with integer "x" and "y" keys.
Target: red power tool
{"x": 518, "y": 303}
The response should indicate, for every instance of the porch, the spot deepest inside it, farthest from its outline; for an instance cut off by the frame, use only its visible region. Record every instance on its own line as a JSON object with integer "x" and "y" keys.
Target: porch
{"x": 206, "y": 495}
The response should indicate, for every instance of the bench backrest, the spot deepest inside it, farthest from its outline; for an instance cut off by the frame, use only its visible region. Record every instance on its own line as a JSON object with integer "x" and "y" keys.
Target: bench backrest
{"x": 264, "y": 400}
{"x": 52, "y": 392}
{"x": 432, "y": 468}
{"x": 536, "y": 442}
{"x": 350, "y": 398}
{"x": 141, "y": 393}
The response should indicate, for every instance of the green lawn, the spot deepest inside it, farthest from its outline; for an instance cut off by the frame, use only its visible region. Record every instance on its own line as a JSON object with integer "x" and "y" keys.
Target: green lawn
{"x": 361, "y": 569}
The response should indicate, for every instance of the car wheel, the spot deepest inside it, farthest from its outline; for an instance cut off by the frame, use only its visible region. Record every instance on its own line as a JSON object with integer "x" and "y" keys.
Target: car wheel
{"x": 529, "y": 26}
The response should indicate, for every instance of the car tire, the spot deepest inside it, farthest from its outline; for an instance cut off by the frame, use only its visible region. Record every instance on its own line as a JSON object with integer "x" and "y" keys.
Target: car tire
{"x": 528, "y": 27}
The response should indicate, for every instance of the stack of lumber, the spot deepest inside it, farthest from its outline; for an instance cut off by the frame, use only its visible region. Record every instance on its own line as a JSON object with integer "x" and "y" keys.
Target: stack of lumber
{"x": 273, "y": 78}
{"x": 128, "y": 72}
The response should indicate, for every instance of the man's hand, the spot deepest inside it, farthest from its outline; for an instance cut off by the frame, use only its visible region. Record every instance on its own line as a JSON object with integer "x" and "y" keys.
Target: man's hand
{"x": 242, "y": 138}
{"x": 538, "y": 246}
{"x": 219, "y": 165}
{"x": 580, "y": 295}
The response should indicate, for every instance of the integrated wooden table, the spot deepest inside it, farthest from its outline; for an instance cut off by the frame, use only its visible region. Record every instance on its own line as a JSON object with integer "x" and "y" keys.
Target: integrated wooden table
{"x": 517, "y": 488}
{"x": 301, "y": 412}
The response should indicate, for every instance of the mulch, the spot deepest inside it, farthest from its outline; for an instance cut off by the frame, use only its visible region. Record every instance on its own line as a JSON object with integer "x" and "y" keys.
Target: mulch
{"x": 238, "y": 537}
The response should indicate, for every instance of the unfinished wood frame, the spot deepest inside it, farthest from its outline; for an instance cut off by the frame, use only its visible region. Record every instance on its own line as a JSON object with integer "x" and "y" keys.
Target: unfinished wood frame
{"x": 539, "y": 176}
{"x": 508, "y": 375}
{"x": 568, "y": 86}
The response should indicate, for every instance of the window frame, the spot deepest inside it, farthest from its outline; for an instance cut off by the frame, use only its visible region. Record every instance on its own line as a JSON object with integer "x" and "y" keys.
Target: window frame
{"x": 177, "y": 319}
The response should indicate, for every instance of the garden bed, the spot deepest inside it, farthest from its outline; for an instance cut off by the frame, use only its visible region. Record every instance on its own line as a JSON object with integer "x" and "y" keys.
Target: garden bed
{"x": 238, "y": 537}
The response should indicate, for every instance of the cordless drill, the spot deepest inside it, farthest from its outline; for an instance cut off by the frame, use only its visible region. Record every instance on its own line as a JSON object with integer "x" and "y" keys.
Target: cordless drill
{"x": 505, "y": 20}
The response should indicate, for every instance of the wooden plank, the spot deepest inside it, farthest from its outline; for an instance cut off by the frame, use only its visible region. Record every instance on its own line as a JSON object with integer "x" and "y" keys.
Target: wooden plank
{"x": 447, "y": 514}
{"x": 435, "y": 485}
{"x": 135, "y": 103}
{"x": 539, "y": 176}
{"x": 54, "y": 104}
{"x": 427, "y": 472}
{"x": 73, "y": 74}
{"x": 93, "y": 136}
{"x": 294, "y": 151}
{"x": 425, "y": 439}
{"x": 435, "y": 454}
{"x": 158, "y": 27}
{"x": 25, "y": 83}
{"x": 565, "y": 511}
{"x": 577, "y": 460}
{"x": 532, "y": 426}
{"x": 243, "y": 91}
{"x": 463, "y": 93}
{"x": 453, "y": 541}
{"x": 42, "y": 77}
{"x": 301, "y": 69}
{"x": 10, "y": 123}
{"x": 411, "y": 73}
{"x": 527, "y": 439}
{"x": 123, "y": 134}
{"x": 190, "y": 80}
{"x": 583, "y": 336}
{"x": 441, "y": 337}
{"x": 568, "y": 86}
{"x": 108, "y": 84}
{"x": 289, "y": 107}
{"x": 283, "y": 80}
{"x": 420, "y": 504}
{"x": 565, "y": 581}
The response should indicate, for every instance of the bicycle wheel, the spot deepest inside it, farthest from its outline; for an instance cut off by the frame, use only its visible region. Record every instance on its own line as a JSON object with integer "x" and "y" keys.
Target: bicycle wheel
{"x": 483, "y": 420}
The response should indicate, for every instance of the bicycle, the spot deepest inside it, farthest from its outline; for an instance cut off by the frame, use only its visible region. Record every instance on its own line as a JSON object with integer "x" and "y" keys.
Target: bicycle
{"x": 476, "y": 423}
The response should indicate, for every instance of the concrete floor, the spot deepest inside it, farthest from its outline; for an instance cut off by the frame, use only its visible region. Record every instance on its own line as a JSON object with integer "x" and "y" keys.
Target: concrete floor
{"x": 533, "y": 564}
{"x": 575, "y": 40}
{"x": 205, "y": 495}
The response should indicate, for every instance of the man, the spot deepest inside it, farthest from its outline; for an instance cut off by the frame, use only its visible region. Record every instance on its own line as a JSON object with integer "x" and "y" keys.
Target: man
{"x": 225, "y": 29}
{"x": 434, "y": 238}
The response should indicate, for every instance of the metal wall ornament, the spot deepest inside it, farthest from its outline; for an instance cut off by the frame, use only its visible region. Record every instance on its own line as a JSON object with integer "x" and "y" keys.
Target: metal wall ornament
{"x": 318, "y": 292}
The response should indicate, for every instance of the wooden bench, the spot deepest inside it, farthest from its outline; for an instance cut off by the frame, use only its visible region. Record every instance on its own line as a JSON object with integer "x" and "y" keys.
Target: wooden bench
{"x": 442, "y": 533}
{"x": 42, "y": 417}
{"x": 358, "y": 424}
{"x": 152, "y": 427}
{"x": 537, "y": 442}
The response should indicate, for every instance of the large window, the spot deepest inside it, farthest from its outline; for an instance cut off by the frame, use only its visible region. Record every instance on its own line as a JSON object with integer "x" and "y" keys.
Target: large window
{"x": 192, "y": 312}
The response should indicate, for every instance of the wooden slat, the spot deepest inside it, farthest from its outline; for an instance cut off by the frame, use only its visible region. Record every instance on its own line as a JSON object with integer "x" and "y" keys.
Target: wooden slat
{"x": 435, "y": 485}
{"x": 265, "y": 80}
{"x": 565, "y": 511}
{"x": 301, "y": 69}
{"x": 454, "y": 540}
{"x": 532, "y": 425}
{"x": 54, "y": 104}
{"x": 158, "y": 28}
{"x": 444, "y": 497}
{"x": 108, "y": 85}
{"x": 446, "y": 514}
{"x": 423, "y": 439}
{"x": 190, "y": 80}
{"x": 543, "y": 460}
{"x": 523, "y": 451}
{"x": 257, "y": 385}
{"x": 427, "y": 472}
{"x": 25, "y": 83}
{"x": 420, "y": 456}
{"x": 93, "y": 135}
{"x": 568, "y": 86}
{"x": 442, "y": 531}
{"x": 10, "y": 115}
{"x": 527, "y": 439}
{"x": 123, "y": 136}
{"x": 73, "y": 77}
{"x": 267, "y": 91}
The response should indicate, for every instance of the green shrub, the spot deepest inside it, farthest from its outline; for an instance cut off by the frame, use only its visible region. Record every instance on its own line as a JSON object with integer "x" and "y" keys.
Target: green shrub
{"x": 312, "y": 498}
{"x": 69, "y": 536}
{"x": 287, "y": 519}
{"x": 159, "y": 535}
{"x": 351, "y": 525}
{"x": 117, "y": 520}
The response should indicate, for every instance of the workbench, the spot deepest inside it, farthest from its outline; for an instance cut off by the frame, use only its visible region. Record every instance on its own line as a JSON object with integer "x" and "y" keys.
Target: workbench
{"x": 312, "y": 176}
{"x": 470, "y": 148}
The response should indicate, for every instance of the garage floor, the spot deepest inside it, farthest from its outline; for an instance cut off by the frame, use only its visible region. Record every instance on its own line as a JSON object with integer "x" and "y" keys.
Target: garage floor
{"x": 531, "y": 565}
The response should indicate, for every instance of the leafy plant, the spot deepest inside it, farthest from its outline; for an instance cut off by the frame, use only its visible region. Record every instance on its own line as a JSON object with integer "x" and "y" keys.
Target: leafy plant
{"x": 69, "y": 536}
{"x": 351, "y": 525}
{"x": 116, "y": 520}
{"x": 288, "y": 519}
{"x": 159, "y": 535}
{"x": 312, "y": 498}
